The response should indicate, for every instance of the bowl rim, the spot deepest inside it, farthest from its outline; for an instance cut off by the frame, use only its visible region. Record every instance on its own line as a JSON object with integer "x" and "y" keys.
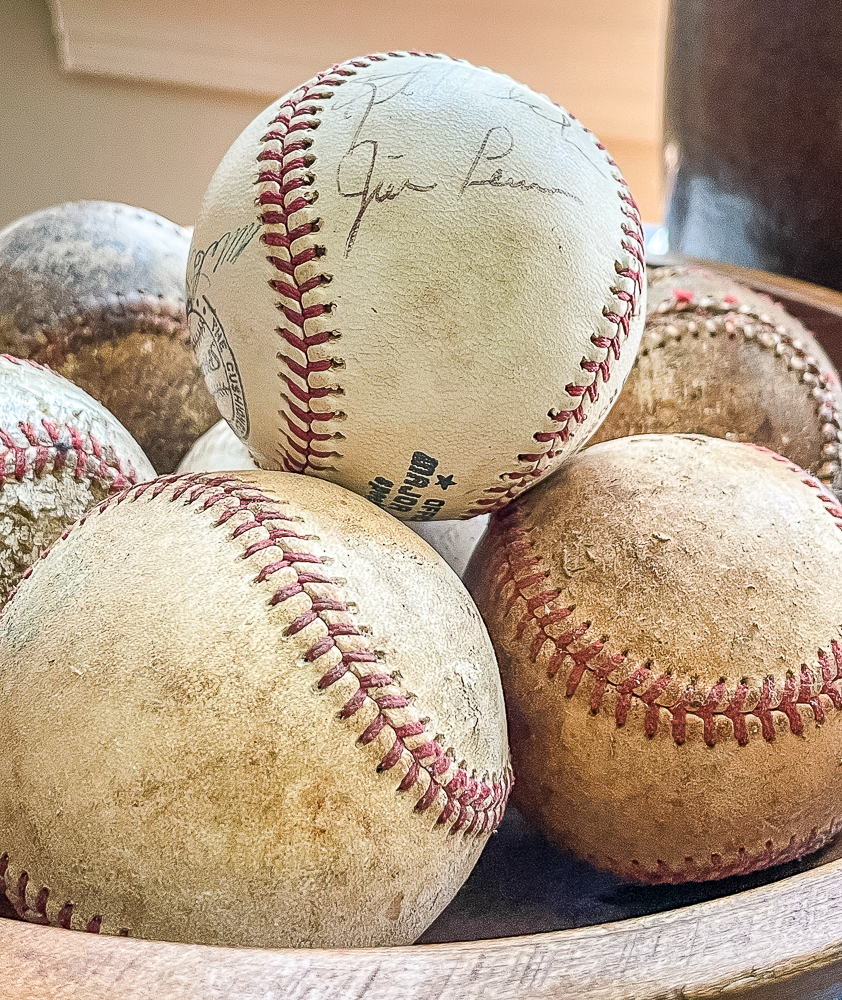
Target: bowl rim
{"x": 766, "y": 935}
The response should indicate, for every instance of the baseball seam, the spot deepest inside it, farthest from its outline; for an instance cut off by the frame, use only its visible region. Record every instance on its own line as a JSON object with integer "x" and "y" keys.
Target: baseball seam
{"x": 687, "y": 313}
{"x": 54, "y": 447}
{"x": 472, "y": 806}
{"x": 519, "y": 566}
{"x": 287, "y": 187}
{"x": 52, "y": 343}
{"x": 718, "y": 867}
{"x": 619, "y": 315}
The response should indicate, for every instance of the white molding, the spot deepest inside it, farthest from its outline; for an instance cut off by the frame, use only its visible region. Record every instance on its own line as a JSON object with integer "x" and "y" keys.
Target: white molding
{"x": 601, "y": 59}
{"x": 174, "y": 46}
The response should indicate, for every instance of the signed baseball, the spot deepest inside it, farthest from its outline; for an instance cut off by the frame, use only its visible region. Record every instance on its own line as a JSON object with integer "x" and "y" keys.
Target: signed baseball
{"x": 667, "y": 615}
{"x": 60, "y": 453}
{"x": 418, "y": 279}
{"x": 246, "y": 710}
{"x": 720, "y": 359}
{"x": 95, "y": 290}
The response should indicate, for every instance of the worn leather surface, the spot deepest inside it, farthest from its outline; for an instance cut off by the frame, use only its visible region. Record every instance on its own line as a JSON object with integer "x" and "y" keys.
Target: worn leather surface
{"x": 95, "y": 290}
{"x": 184, "y": 756}
{"x": 60, "y": 453}
{"x": 721, "y": 359}
{"x": 410, "y": 255}
{"x": 219, "y": 449}
{"x": 667, "y": 616}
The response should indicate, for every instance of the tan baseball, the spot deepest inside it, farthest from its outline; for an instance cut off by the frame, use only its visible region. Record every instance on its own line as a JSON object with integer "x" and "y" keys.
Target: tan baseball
{"x": 667, "y": 615}
{"x": 95, "y": 290}
{"x": 720, "y": 359}
{"x": 60, "y": 453}
{"x": 418, "y": 279}
{"x": 247, "y": 710}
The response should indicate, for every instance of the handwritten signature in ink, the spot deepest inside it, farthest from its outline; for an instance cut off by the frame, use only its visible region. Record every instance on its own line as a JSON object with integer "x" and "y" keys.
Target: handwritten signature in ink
{"x": 224, "y": 250}
{"x": 497, "y": 144}
{"x": 365, "y": 154}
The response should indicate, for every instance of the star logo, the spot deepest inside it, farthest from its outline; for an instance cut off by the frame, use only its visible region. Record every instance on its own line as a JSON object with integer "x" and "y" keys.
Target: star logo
{"x": 445, "y": 481}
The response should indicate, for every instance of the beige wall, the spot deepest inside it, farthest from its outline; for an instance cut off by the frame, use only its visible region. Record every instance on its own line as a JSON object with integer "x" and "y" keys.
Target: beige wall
{"x": 67, "y": 136}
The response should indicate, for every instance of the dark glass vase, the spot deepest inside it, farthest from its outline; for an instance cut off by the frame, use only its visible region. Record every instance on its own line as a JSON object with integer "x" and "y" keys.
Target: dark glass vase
{"x": 753, "y": 134}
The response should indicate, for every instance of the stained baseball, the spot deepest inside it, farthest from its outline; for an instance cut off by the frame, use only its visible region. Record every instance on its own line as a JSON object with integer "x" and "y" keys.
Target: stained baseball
{"x": 95, "y": 290}
{"x": 246, "y": 710}
{"x": 418, "y": 279}
{"x": 60, "y": 453}
{"x": 667, "y": 615}
{"x": 721, "y": 359}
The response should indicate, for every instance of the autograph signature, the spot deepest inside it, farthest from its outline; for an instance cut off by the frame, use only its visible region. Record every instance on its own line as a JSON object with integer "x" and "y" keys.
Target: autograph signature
{"x": 364, "y": 153}
{"x": 497, "y": 145}
{"x": 224, "y": 250}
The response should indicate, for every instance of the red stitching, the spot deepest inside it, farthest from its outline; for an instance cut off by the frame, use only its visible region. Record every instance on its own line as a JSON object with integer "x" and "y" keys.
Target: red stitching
{"x": 32, "y": 364}
{"x": 33, "y": 454}
{"x": 37, "y": 914}
{"x": 716, "y": 867}
{"x": 479, "y": 804}
{"x": 711, "y": 316}
{"x": 37, "y": 450}
{"x": 305, "y": 446}
{"x": 287, "y": 191}
{"x": 515, "y": 564}
{"x": 832, "y": 503}
{"x": 632, "y": 242}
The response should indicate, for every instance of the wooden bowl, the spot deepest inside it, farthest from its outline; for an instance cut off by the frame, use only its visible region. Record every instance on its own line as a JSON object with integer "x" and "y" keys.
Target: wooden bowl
{"x": 530, "y": 923}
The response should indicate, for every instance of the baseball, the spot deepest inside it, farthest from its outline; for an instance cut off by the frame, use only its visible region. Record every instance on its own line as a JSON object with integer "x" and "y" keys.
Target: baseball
{"x": 95, "y": 290}
{"x": 453, "y": 540}
{"x": 720, "y": 359}
{"x": 418, "y": 279}
{"x": 217, "y": 450}
{"x": 60, "y": 453}
{"x": 220, "y": 450}
{"x": 667, "y": 615}
{"x": 245, "y": 710}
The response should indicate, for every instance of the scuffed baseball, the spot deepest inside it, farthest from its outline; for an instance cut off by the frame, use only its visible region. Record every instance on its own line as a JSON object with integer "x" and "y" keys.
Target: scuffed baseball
{"x": 220, "y": 450}
{"x": 245, "y": 710}
{"x": 95, "y": 290}
{"x": 721, "y": 359}
{"x": 667, "y": 615}
{"x": 418, "y": 279}
{"x": 60, "y": 453}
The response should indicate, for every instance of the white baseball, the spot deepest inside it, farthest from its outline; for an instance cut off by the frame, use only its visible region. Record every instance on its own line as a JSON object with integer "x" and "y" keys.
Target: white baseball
{"x": 418, "y": 279}
{"x": 60, "y": 453}
{"x": 217, "y": 450}
{"x": 246, "y": 710}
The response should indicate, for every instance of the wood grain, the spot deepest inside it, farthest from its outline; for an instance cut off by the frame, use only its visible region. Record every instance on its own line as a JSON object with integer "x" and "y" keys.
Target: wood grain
{"x": 732, "y": 946}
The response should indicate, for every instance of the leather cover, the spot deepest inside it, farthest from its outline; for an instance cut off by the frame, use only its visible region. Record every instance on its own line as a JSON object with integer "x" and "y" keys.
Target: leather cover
{"x": 60, "y": 453}
{"x": 667, "y": 615}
